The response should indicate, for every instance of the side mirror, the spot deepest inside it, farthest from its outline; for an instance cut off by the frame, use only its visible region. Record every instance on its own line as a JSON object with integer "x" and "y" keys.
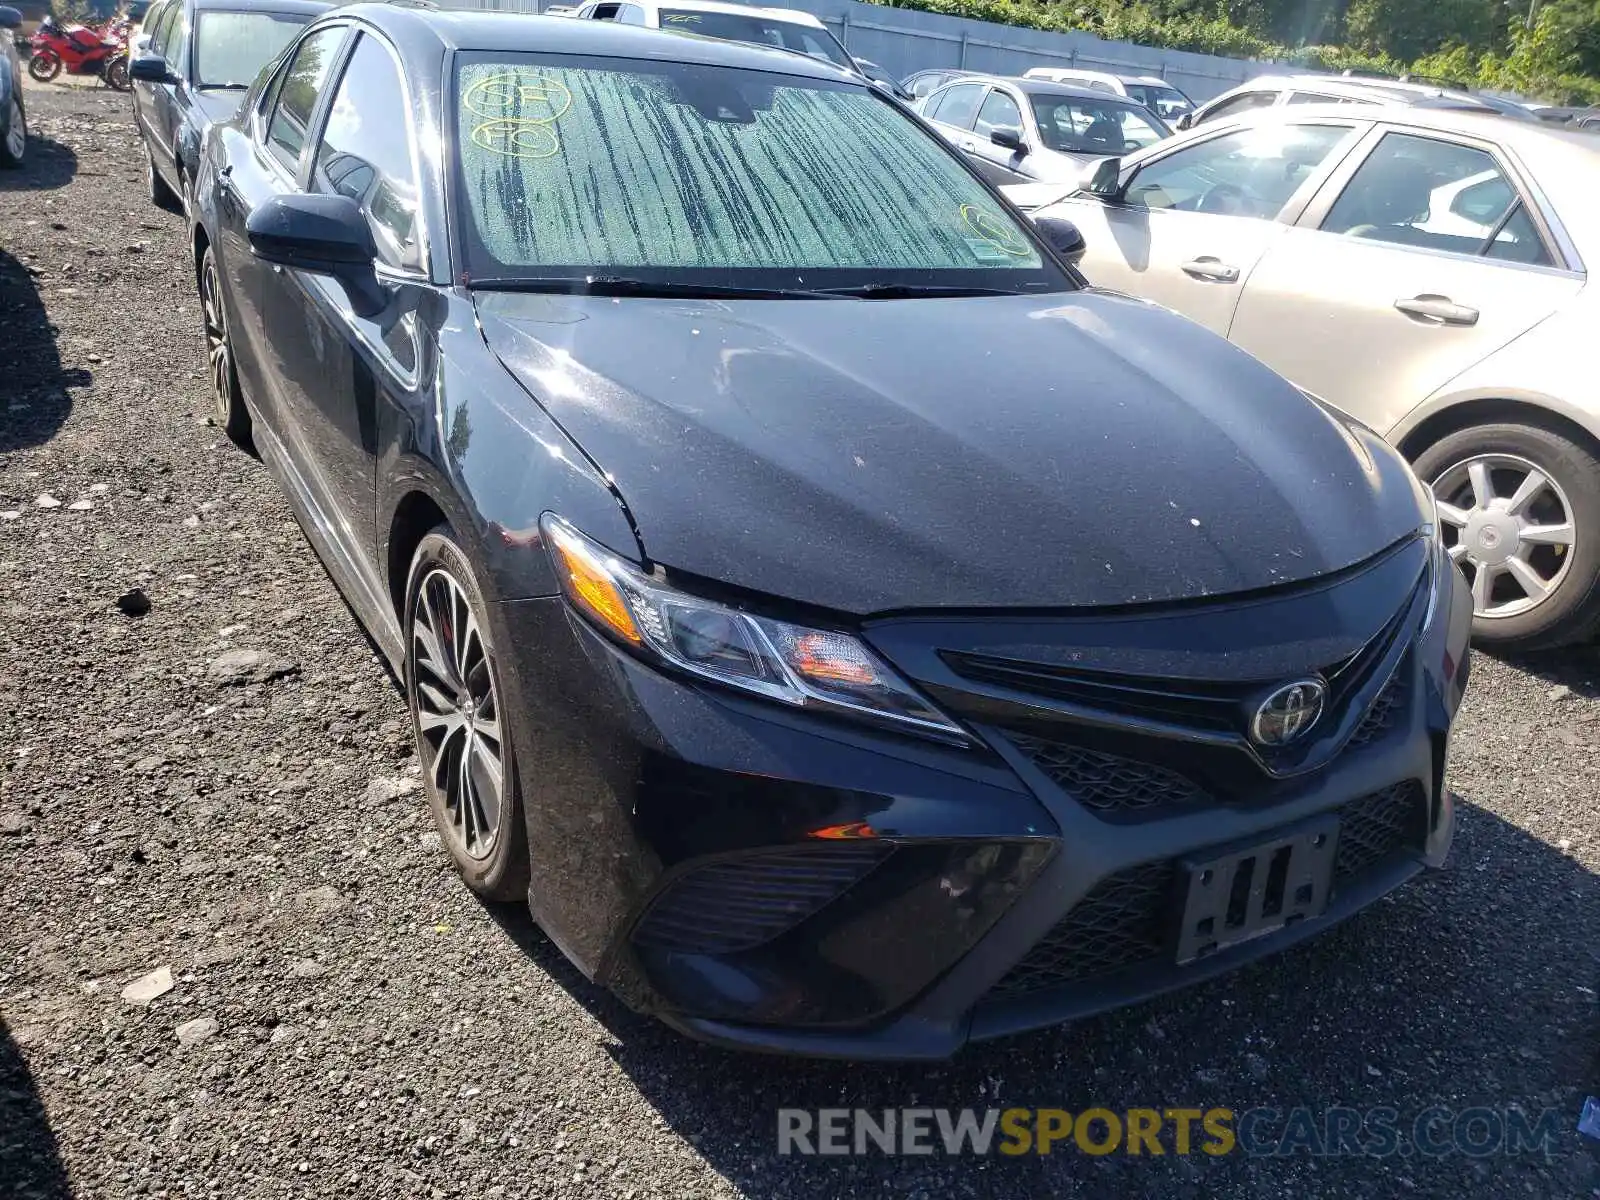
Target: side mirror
{"x": 150, "y": 68}
{"x": 1009, "y": 139}
{"x": 1103, "y": 179}
{"x": 10, "y": 18}
{"x": 326, "y": 235}
{"x": 1185, "y": 121}
{"x": 1064, "y": 237}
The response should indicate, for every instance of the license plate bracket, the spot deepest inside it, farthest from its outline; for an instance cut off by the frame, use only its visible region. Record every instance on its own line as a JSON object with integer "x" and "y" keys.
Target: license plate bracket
{"x": 1243, "y": 894}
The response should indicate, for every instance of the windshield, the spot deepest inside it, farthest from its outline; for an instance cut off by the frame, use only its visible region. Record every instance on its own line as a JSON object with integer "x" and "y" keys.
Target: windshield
{"x": 1166, "y": 102}
{"x": 762, "y": 30}
{"x": 230, "y": 48}
{"x": 694, "y": 174}
{"x": 1070, "y": 125}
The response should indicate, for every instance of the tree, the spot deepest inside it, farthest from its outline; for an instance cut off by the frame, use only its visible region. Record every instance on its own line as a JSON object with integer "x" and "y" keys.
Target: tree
{"x": 1409, "y": 29}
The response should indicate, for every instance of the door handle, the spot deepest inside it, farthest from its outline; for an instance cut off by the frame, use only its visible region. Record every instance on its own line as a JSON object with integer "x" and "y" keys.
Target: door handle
{"x": 1207, "y": 267}
{"x": 1437, "y": 310}
{"x": 970, "y": 147}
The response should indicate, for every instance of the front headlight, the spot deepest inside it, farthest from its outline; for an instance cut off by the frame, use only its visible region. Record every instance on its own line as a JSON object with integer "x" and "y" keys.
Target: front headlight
{"x": 793, "y": 664}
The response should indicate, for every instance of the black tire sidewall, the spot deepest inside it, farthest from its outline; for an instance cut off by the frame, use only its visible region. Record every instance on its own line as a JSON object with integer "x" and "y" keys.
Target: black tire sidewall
{"x": 503, "y": 875}
{"x": 1574, "y": 611}
{"x": 230, "y": 412}
{"x": 7, "y": 159}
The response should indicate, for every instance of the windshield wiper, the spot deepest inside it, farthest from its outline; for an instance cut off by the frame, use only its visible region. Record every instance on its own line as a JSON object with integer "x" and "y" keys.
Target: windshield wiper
{"x": 620, "y": 285}
{"x": 914, "y": 291}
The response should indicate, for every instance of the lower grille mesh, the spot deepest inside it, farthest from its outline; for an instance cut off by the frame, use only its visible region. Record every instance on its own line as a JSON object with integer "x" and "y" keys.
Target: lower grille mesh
{"x": 1385, "y": 713}
{"x": 736, "y": 905}
{"x": 1123, "y": 921}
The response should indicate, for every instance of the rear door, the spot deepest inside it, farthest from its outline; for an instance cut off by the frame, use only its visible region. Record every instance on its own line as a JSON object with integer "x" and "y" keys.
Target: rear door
{"x": 1194, "y": 221}
{"x": 146, "y": 96}
{"x": 1426, "y": 253}
{"x": 953, "y": 111}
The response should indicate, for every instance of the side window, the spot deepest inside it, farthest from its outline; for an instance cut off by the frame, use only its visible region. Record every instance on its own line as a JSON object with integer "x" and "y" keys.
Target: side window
{"x": 999, "y": 110}
{"x": 926, "y": 84}
{"x": 163, "y": 29}
{"x": 603, "y": 12}
{"x": 1422, "y": 191}
{"x": 1247, "y": 173}
{"x": 301, "y": 87}
{"x": 1311, "y": 98}
{"x": 365, "y": 152}
{"x": 631, "y": 14}
{"x": 1243, "y": 102}
{"x": 172, "y": 48}
{"x": 959, "y": 105}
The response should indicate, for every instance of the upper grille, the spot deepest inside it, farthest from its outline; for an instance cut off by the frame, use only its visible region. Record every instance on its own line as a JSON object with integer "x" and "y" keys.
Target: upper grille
{"x": 739, "y": 904}
{"x": 1107, "y": 782}
{"x": 1385, "y": 713}
{"x": 1123, "y": 921}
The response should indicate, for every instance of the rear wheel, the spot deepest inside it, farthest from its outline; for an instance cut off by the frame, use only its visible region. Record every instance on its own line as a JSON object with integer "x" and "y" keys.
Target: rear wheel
{"x": 117, "y": 73}
{"x": 231, "y": 413}
{"x": 13, "y": 134}
{"x": 459, "y": 719}
{"x": 45, "y": 65}
{"x": 1520, "y": 510}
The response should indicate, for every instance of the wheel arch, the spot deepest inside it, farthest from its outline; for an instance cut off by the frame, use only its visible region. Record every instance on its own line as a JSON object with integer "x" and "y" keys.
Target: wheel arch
{"x": 1495, "y": 409}
{"x": 414, "y": 516}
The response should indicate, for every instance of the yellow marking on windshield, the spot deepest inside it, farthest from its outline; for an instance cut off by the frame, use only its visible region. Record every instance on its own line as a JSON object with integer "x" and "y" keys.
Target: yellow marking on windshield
{"x": 519, "y": 109}
{"x": 994, "y": 231}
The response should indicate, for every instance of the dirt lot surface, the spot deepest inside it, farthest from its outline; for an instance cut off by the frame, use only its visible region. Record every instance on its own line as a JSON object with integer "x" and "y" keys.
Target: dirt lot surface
{"x": 344, "y": 1019}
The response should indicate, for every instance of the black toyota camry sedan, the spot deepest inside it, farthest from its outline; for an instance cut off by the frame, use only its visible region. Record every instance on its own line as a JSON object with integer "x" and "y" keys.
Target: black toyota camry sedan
{"x": 851, "y": 633}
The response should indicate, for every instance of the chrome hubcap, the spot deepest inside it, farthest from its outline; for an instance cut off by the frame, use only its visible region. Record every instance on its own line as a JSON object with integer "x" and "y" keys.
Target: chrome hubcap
{"x": 1509, "y": 526}
{"x": 216, "y": 340}
{"x": 16, "y": 131}
{"x": 458, "y": 712}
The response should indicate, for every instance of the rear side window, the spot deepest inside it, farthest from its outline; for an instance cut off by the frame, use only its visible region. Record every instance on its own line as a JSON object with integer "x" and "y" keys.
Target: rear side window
{"x": 1243, "y": 102}
{"x": 163, "y": 30}
{"x": 1438, "y": 195}
{"x": 302, "y": 86}
{"x": 959, "y": 105}
{"x": 366, "y": 153}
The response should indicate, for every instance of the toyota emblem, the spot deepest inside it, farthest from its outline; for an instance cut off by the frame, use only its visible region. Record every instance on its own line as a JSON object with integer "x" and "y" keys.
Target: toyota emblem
{"x": 1289, "y": 713}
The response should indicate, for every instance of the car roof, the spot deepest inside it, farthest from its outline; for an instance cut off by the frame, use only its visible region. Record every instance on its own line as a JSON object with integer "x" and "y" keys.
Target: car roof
{"x": 790, "y": 15}
{"x": 411, "y": 27}
{"x": 309, "y": 8}
{"x": 1117, "y": 75}
{"x": 1042, "y": 87}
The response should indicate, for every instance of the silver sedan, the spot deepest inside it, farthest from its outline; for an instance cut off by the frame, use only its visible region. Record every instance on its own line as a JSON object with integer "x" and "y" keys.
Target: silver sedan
{"x": 1426, "y": 272}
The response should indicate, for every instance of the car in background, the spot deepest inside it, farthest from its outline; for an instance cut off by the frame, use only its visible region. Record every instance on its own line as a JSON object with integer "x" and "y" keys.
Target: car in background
{"x": 1425, "y": 271}
{"x": 1268, "y": 91}
{"x": 835, "y": 621}
{"x": 13, "y": 112}
{"x": 786, "y": 28}
{"x": 919, "y": 83}
{"x": 1155, "y": 93}
{"x": 202, "y": 56}
{"x": 1034, "y": 131}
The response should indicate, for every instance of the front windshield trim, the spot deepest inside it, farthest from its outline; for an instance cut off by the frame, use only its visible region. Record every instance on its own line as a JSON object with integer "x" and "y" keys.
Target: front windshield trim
{"x": 1051, "y": 275}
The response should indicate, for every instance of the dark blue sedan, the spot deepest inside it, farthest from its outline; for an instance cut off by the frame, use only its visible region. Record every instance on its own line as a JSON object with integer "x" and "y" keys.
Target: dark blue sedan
{"x": 848, "y": 631}
{"x": 201, "y": 57}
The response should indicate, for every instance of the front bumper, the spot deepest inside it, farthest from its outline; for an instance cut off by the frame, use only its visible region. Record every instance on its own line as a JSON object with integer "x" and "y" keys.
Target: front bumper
{"x": 764, "y": 879}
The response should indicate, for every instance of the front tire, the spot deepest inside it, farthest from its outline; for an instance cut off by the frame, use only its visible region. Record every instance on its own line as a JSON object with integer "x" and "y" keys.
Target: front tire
{"x": 459, "y": 719}
{"x": 14, "y": 134}
{"x": 229, "y": 410}
{"x": 1520, "y": 509}
{"x": 45, "y": 65}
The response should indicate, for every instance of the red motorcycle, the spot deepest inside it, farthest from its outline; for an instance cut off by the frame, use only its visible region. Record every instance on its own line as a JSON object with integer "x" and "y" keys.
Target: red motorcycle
{"x": 79, "y": 50}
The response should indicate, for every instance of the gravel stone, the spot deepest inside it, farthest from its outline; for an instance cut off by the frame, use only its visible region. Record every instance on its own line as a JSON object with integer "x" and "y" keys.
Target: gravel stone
{"x": 192, "y": 1033}
{"x": 148, "y": 987}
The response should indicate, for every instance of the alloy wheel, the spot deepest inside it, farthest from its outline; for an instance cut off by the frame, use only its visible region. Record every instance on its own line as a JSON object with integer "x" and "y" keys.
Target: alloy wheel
{"x": 16, "y": 131}
{"x": 1509, "y": 526}
{"x": 458, "y": 712}
{"x": 217, "y": 348}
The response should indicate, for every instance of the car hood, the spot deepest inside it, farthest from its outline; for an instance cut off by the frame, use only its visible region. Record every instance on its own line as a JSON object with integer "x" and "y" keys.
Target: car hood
{"x": 1075, "y": 449}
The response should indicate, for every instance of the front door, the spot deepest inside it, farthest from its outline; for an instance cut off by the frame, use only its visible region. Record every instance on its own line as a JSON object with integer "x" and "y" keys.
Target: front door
{"x": 1192, "y": 225}
{"x": 1427, "y": 260}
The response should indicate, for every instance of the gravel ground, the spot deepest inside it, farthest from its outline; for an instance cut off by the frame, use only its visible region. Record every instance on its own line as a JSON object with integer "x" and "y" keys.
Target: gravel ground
{"x": 344, "y": 1019}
